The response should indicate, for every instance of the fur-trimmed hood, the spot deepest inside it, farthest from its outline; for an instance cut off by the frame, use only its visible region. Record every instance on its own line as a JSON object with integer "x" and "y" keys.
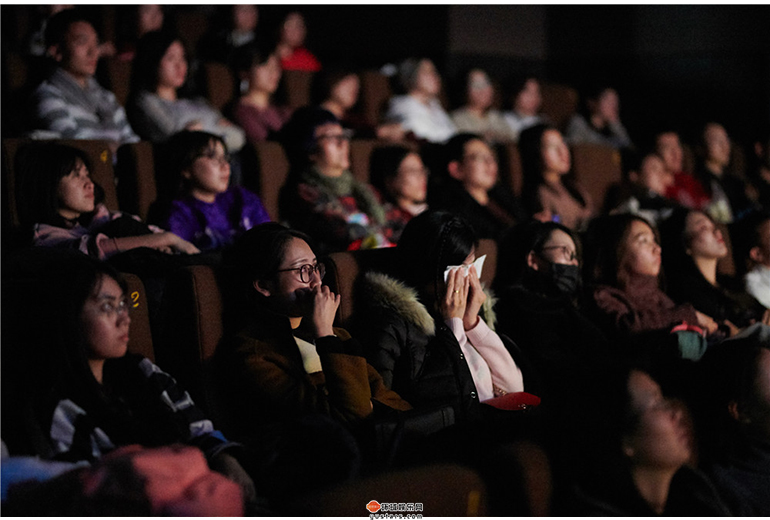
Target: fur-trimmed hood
{"x": 382, "y": 290}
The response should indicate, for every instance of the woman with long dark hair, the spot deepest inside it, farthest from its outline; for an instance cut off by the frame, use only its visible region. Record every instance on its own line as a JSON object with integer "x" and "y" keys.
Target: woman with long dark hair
{"x": 546, "y": 163}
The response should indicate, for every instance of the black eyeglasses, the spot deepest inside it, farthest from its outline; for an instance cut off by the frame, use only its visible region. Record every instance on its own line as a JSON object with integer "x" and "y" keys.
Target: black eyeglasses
{"x": 211, "y": 154}
{"x": 306, "y": 271}
{"x": 568, "y": 253}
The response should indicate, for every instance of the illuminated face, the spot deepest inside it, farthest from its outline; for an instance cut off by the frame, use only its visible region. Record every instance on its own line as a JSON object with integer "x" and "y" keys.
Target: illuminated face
{"x": 245, "y": 17}
{"x": 345, "y": 92}
{"x": 428, "y": 81}
{"x": 478, "y": 169}
{"x": 209, "y": 174}
{"x": 172, "y": 70}
{"x": 411, "y": 181}
{"x": 654, "y": 176}
{"x": 105, "y": 321}
{"x": 150, "y": 18}
{"x": 641, "y": 251}
{"x": 717, "y": 144}
{"x": 528, "y": 101}
{"x": 75, "y": 192}
{"x": 80, "y": 53}
{"x": 705, "y": 239}
{"x": 660, "y": 440}
{"x": 333, "y": 149}
{"x": 294, "y": 31}
{"x": 287, "y": 293}
{"x": 480, "y": 91}
{"x": 554, "y": 152}
{"x": 265, "y": 77}
{"x": 669, "y": 147}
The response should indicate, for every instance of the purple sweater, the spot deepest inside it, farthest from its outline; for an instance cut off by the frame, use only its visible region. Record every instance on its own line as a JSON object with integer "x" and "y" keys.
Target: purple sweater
{"x": 217, "y": 224}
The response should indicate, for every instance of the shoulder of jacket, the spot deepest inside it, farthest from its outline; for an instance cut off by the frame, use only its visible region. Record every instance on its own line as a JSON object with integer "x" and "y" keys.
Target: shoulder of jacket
{"x": 385, "y": 291}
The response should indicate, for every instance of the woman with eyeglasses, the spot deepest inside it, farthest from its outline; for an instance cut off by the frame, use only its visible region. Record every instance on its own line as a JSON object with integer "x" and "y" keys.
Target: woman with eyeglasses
{"x": 289, "y": 360}
{"x": 538, "y": 285}
{"x": 205, "y": 209}
{"x": 321, "y": 196}
{"x": 77, "y": 393}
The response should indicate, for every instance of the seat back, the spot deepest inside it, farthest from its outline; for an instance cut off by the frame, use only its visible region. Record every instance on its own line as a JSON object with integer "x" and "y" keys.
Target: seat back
{"x": 295, "y": 86}
{"x": 273, "y": 169}
{"x": 191, "y": 24}
{"x": 220, "y": 84}
{"x": 726, "y": 265}
{"x": 192, "y": 311}
{"x": 560, "y": 102}
{"x": 510, "y": 168}
{"x": 375, "y": 92}
{"x": 360, "y": 153}
{"x": 596, "y": 167}
{"x": 119, "y": 73}
{"x": 140, "y": 339}
{"x": 136, "y": 170}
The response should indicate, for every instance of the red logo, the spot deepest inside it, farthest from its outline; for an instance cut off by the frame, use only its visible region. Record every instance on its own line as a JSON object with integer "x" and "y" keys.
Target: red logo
{"x": 373, "y": 506}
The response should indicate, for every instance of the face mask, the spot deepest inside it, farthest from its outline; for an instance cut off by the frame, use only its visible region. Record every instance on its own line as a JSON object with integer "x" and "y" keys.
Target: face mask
{"x": 566, "y": 278}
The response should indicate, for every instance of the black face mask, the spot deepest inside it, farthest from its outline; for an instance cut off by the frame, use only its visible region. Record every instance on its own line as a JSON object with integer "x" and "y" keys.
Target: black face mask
{"x": 566, "y": 278}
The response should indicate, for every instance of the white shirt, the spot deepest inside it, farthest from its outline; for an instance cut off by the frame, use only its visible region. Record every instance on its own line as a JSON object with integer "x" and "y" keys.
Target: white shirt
{"x": 427, "y": 121}
{"x": 758, "y": 284}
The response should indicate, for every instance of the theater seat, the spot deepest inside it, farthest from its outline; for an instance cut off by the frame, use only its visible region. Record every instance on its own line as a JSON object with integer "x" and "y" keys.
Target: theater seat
{"x": 510, "y": 168}
{"x": 559, "y": 103}
{"x": 192, "y": 330}
{"x": 295, "y": 86}
{"x": 119, "y": 73}
{"x": 360, "y": 153}
{"x": 596, "y": 167}
{"x": 135, "y": 170}
{"x": 726, "y": 265}
{"x": 140, "y": 338}
{"x": 220, "y": 84}
{"x": 273, "y": 169}
{"x": 375, "y": 93}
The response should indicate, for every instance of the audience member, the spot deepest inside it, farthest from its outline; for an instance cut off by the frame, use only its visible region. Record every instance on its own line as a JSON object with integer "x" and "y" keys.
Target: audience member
{"x": 738, "y": 398}
{"x": 206, "y": 212}
{"x": 472, "y": 189}
{"x": 70, "y": 104}
{"x": 648, "y": 181}
{"x": 422, "y": 331}
{"x": 321, "y": 197}
{"x": 685, "y": 190}
{"x": 400, "y": 176}
{"x": 600, "y": 121}
{"x": 291, "y": 45}
{"x": 752, "y": 254}
{"x": 62, "y": 208}
{"x": 254, "y": 111}
{"x": 336, "y": 90}
{"x": 289, "y": 359}
{"x": 759, "y": 169}
{"x": 82, "y": 395}
{"x": 239, "y": 29}
{"x": 693, "y": 246}
{"x": 727, "y": 191}
{"x": 130, "y": 481}
{"x": 419, "y": 111}
{"x": 545, "y": 161}
{"x": 478, "y": 116}
{"x": 539, "y": 287}
{"x": 142, "y": 19}
{"x": 642, "y": 445}
{"x": 156, "y": 111}
{"x": 526, "y": 105}
{"x": 626, "y": 265}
